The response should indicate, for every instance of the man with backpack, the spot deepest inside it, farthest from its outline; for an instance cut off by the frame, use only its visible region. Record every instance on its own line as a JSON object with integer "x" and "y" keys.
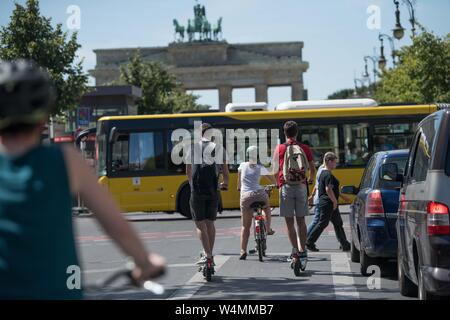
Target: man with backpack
{"x": 203, "y": 177}
{"x": 292, "y": 161}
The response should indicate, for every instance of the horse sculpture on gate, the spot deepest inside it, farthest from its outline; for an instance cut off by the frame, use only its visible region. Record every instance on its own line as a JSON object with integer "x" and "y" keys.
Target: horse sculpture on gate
{"x": 206, "y": 30}
{"x": 198, "y": 29}
{"x": 218, "y": 30}
{"x": 178, "y": 30}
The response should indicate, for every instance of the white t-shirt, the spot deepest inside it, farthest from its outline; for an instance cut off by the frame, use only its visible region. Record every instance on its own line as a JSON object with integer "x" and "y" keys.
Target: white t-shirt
{"x": 250, "y": 176}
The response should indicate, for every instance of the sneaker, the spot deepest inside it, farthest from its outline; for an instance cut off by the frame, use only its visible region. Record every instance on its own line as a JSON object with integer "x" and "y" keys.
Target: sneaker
{"x": 312, "y": 247}
{"x": 303, "y": 255}
{"x": 201, "y": 261}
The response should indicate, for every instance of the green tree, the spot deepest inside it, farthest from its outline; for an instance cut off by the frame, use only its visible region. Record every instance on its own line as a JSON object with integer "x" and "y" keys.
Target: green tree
{"x": 342, "y": 94}
{"x": 361, "y": 92}
{"x": 161, "y": 94}
{"x": 32, "y": 36}
{"x": 423, "y": 74}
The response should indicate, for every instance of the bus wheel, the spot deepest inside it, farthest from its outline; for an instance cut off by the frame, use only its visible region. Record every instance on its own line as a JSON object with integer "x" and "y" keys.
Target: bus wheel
{"x": 183, "y": 205}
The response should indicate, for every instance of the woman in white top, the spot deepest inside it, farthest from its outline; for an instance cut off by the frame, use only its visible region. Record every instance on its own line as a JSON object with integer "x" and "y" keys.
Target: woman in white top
{"x": 249, "y": 174}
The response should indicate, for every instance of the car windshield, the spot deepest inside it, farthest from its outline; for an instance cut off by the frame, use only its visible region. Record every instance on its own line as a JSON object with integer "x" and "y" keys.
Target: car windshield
{"x": 401, "y": 163}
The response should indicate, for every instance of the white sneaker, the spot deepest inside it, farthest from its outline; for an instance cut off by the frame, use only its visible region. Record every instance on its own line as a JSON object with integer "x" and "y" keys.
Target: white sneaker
{"x": 202, "y": 261}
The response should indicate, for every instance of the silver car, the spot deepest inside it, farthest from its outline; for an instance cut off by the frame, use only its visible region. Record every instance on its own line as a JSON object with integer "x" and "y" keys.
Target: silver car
{"x": 423, "y": 224}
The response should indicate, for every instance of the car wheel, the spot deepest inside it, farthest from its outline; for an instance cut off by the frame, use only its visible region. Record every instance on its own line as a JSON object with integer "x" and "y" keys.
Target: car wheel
{"x": 184, "y": 206}
{"x": 354, "y": 253}
{"x": 365, "y": 262}
{"x": 407, "y": 287}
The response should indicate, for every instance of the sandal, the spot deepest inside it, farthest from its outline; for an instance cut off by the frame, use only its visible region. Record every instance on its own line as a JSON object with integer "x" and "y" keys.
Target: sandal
{"x": 270, "y": 232}
{"x": 243, "y": 256}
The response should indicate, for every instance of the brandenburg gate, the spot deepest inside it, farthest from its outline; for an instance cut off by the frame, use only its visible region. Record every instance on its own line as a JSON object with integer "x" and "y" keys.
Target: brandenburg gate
{"x": 206, "y": 61}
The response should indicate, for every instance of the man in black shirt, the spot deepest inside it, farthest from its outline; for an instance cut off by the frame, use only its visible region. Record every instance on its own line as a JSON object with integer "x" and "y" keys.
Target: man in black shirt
{"x": 328, "y": 206}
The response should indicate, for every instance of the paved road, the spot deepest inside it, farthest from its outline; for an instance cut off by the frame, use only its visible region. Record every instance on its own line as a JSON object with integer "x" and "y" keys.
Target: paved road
{"x": 329, "y": 275}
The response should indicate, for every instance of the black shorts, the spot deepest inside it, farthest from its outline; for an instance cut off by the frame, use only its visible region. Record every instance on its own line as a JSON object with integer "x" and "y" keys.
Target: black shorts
{"x": 204, "y": 208}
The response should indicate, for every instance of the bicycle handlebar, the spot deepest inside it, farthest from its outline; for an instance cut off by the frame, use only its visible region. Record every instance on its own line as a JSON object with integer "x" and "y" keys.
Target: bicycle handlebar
{"x": 151, "y": 286}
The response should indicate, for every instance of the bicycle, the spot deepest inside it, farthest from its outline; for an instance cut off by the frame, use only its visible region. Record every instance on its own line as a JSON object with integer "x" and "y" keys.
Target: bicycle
{"x": 104, "y": 290}
{"x": 298, "y": 263}
{"x": 260, "y": 231}
{"x": 207, "y": 269}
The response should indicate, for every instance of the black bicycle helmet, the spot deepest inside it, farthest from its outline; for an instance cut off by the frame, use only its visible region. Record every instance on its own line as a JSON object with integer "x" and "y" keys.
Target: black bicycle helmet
{"x": 26, "y": 93}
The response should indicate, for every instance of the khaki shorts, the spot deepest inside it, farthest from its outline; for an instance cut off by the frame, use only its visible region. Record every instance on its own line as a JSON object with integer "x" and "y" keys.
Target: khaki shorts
{"x": 293, "y": 201}
{"x": 253, "y": 196}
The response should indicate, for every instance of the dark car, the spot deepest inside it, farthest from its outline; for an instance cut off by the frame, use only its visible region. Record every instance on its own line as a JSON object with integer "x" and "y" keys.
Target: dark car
{"x": 373, "y": 213}
{"x": 423, "y": 225}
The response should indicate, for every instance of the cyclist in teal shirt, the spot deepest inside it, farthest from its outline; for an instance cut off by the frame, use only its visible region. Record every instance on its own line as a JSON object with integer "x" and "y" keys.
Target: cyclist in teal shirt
{"x": 37, "y": 245}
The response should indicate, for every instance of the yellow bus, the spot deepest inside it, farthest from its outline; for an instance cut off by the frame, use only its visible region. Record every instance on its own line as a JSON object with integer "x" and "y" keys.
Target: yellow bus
{"x": 134, "y": 152}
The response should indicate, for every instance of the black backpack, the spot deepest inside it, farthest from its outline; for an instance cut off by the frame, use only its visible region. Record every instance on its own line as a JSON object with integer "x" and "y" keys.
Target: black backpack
{"x": 205, "y": 181}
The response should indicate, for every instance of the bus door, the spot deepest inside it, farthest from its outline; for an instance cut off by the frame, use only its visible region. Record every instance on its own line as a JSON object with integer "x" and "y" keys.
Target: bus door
{"x": 137, "y": 166}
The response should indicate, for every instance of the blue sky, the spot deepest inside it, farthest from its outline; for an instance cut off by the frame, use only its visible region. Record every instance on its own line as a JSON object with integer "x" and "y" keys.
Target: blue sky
{"x": 334, "y": 32}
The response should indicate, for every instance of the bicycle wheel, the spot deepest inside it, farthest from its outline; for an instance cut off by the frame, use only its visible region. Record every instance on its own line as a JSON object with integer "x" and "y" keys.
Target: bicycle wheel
{"x": 260, "y": 250}
{"x": 208, "y": 274}
{"x": 296, "y": 263}
{"x": 303, "y": 263}
{"x": 263, "y": 239}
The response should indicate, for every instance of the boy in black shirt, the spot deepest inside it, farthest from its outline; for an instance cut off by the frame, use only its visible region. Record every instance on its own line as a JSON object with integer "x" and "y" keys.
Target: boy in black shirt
{"x": 328, "y": 206}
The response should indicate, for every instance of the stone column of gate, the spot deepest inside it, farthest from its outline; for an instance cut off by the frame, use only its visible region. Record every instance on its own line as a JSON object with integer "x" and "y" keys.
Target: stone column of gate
{"x": 261, "y": 93}
{"x": 297, "y": 91}
{"x": 225, "y": 96}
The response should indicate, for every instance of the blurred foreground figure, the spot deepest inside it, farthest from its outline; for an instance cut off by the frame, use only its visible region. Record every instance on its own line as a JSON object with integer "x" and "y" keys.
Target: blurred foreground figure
{"x": 37, "y": 244}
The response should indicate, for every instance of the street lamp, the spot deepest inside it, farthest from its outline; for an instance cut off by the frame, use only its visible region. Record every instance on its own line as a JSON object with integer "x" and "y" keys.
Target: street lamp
{"x": 412, "y": 17}
{"x": 391, "y": 41}
{"x": 362, "y": 84}
{"x": 382, "y": 60}
{"x": 375, "y": 72}
{"x": 398, "y": 31}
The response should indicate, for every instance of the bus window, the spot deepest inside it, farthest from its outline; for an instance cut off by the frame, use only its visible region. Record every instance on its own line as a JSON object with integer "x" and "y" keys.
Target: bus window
{"x": 178, "y": 168}
{"x": 120, "y": 157}
{"x": 138, "y": 152}
{"x": 393, "y": 136}
{"x": 244, "y": 138}
{"x": 101, "y": 154}
{"x": 356, "y": 143}
{"x": 146, "y": 151}
{"x": 321, "y": 139}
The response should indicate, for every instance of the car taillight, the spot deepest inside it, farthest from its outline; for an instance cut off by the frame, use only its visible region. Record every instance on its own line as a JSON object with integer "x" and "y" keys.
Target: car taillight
{"x": 402, "y": 206}
{"x": 438, "y": 222}
{"x": 374, "y": 204}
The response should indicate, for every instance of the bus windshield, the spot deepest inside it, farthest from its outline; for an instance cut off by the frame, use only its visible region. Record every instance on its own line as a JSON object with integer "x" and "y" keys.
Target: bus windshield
{"x": 100, "y": 149}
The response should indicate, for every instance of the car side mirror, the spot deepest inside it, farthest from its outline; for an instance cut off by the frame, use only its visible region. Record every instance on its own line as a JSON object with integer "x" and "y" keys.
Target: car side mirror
{"x": 389, "y": 172}
{"x": 349, "y": 190}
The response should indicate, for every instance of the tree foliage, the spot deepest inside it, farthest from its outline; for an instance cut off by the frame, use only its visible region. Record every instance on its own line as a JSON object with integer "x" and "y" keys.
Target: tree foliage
{"x": 32, "y": 36}
{"x": 161, "y": 93}
{"x": 423, "y": 74}
{"x": 342, "y": 94}
{"x": 361, "y": 92}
